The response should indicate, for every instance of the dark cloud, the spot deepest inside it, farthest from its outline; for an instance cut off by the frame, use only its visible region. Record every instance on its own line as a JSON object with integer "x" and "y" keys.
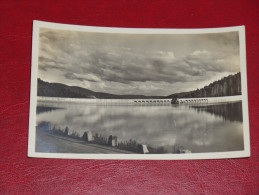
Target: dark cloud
{"x": 98, "y": 59}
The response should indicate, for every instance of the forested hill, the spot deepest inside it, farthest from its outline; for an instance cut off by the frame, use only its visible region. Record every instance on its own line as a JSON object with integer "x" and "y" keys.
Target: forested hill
{"x": 228, "y": 86}
{"x": 61, "y": 90}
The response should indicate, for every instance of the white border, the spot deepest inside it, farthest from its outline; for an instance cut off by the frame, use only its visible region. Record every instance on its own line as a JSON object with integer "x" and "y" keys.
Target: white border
{"x": 213, "y": 155}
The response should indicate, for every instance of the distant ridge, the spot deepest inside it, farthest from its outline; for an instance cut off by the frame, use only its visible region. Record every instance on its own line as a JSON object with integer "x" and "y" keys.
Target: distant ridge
{"x": 227, "y": 86}
{"x": 60, "y": 90}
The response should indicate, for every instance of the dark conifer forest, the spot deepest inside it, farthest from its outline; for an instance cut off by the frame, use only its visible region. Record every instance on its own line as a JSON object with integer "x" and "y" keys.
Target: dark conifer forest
{"x": 227, "y": 86}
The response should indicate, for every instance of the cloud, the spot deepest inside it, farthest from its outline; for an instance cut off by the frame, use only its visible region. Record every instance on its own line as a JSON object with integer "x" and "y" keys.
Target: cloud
{"x": 167, "y": 56}
{"x": 198, "y": 53}
{"x": 74, "y": 76}
{"x": 121, "y": 64}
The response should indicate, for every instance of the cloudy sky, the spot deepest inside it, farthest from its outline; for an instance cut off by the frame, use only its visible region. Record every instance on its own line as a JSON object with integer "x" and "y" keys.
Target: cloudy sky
{"x": 149, "y": 64}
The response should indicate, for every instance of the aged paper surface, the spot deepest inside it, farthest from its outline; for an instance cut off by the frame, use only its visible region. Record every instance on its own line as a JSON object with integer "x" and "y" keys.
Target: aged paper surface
{"x": 124, "y": 93}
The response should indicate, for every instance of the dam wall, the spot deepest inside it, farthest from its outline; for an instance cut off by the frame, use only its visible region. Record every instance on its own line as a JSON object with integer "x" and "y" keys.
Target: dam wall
{"x": 209, "y": 100}
{"x": 105, "y": 101}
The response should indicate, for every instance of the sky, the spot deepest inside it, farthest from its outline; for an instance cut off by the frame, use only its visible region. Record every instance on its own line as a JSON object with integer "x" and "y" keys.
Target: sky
{"x": 139, "y": 64}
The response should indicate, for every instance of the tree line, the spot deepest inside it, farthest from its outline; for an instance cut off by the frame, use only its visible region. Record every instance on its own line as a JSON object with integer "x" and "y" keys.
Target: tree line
{"x": 227, "y": 86}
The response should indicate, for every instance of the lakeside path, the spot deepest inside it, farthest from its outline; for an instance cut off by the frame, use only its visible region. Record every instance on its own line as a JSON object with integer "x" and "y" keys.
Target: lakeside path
{"x": 51, "y": 143}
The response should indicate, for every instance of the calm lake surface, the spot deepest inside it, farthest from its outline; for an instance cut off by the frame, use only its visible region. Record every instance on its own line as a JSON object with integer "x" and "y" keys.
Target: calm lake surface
{"x": 204, "y": 128}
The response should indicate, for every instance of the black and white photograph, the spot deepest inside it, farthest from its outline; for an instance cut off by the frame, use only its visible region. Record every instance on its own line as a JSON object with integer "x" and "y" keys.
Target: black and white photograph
{"x": 128, "y": 93}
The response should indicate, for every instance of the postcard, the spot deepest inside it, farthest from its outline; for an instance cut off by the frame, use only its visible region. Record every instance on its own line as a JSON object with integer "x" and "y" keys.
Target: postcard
{"x": 132, "y": 93}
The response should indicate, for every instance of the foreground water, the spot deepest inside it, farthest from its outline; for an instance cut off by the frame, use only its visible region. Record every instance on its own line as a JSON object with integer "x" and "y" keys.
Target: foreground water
{"x": 206, "y": 128}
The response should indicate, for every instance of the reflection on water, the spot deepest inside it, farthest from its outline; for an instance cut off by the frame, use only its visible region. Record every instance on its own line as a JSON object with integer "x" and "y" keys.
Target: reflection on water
{"x": 213, "y": 128}
{"x": 232, "y": 112}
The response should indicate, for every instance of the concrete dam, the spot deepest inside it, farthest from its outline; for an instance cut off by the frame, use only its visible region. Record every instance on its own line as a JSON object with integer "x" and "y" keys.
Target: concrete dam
{"x": 206, "y": 100}
{"x": 42, "y": 99}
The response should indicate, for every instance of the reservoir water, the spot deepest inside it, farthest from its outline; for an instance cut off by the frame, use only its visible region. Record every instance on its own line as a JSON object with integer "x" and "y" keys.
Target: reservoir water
{"x": 204, "y": 128}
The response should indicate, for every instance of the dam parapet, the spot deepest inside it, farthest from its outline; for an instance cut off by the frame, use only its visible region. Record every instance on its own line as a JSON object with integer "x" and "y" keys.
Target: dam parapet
{"x": 42, "y": 99}
{"x": 207, "y": 100}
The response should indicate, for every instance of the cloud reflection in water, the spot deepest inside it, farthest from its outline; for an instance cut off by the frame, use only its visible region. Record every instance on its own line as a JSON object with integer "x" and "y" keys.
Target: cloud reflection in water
{"x": 198, "y": 130}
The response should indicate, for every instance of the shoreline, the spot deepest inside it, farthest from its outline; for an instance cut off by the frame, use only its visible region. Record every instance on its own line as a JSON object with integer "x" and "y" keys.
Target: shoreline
{"x": 56, "y": 140}
{"x": 52, "y": 143}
